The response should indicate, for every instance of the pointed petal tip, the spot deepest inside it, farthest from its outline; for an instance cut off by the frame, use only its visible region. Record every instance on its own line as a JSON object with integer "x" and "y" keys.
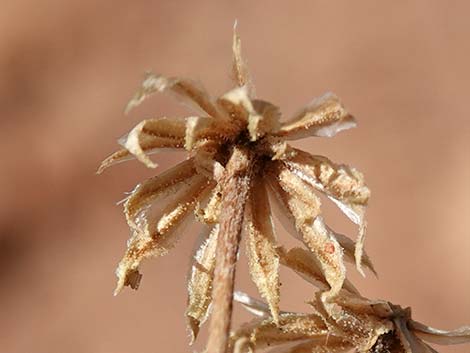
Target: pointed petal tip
{"x": 121, "y": 281}
{"x": 193, "y": 326}
{"x": 373, "y": 270}
{"x": 104, "y": 165}
{"x": 133, "y": 103}
{"x": 118, "y": 289}
{"x": 128, "y": 108}
{"x": 352, "y": 121}
{"x": 361, "y": 270}
{"x": 347, "y": 123}
{"x": 141, "y": 156}
{"x": 359, "y": 262}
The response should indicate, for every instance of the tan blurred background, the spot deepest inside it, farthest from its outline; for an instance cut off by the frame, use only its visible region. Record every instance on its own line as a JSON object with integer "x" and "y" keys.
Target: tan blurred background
{"x": 67, "y": 68}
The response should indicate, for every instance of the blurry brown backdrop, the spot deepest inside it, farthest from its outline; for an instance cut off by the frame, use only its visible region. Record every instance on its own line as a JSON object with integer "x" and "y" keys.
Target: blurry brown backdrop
{"x": 67, "y": 68}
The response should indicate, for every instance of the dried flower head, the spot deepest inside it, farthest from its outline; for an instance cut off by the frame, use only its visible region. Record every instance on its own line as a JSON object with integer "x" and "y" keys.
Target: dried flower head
{"x": 352, "y": 322}
{"x": 238, "y": 156}
{"x": 367, "y": 326}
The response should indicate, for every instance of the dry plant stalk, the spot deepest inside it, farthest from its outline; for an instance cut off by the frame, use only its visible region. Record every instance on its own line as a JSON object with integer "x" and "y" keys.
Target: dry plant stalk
{"x": 236, "y": 189}
{"x": 240, "y": 171}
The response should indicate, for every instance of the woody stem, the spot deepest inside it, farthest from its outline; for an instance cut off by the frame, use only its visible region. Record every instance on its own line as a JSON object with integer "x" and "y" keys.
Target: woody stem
{"x": 236, "y": 186}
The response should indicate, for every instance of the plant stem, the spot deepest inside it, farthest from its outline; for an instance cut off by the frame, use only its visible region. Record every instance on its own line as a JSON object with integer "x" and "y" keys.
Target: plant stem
{"x": 236, "y": 186}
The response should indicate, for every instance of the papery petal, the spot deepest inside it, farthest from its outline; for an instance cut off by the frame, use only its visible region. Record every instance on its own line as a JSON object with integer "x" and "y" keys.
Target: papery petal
{"x": 254, "y": 306}
{"x": 200, "y": 284}
{"x": 259, "y": 334}
{"x": 304, "y": 209}
{"x": 360, "y": 305}
{"x": 193, "y": 125}
{"x": 349, "y": 251}
{"x": 338, "y": 181}
{"x": 152, "y": 134}
{"x": 324, "y": 117}
{"x": 297, "y": 196}
{"x": 305, "y": 264}
{"x": 342, "y": 184}
{"x": 189, "y": 92}
{"x": 280, "y": 210}
{"x": 148, "y": 137}
{"x": 145, "y": 194}
{"x": 207, "y": 130}
{"x": 325, "y": 247}
{"x": 120, "y": 156}
{"x": 356, "y": 214}
{"x": 237, "y": 104}
{"x": 263, "y": 118}
{"x": 240, "y": 72}
{"x": 261, "y": 246}
{"x": 361, "y": 330}
{"x": 156, "y": 231}
{"x": 442, "y": 337}
{"x": 258, "y": 116}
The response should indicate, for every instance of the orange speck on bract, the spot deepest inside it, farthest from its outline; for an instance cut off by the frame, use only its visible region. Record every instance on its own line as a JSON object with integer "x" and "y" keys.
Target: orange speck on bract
{"x": 330, "y": 248}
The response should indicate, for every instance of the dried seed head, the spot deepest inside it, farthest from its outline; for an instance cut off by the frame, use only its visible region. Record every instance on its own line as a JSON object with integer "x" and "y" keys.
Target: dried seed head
{"x": 369, "y": 326}
{"x": 277, "y": 177}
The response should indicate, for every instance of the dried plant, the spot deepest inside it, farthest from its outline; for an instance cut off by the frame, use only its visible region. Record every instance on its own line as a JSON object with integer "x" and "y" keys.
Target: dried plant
{"x": 240, "y": 170}
{"x": 238, "y": 156}
{"x": 353, "y": 322}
